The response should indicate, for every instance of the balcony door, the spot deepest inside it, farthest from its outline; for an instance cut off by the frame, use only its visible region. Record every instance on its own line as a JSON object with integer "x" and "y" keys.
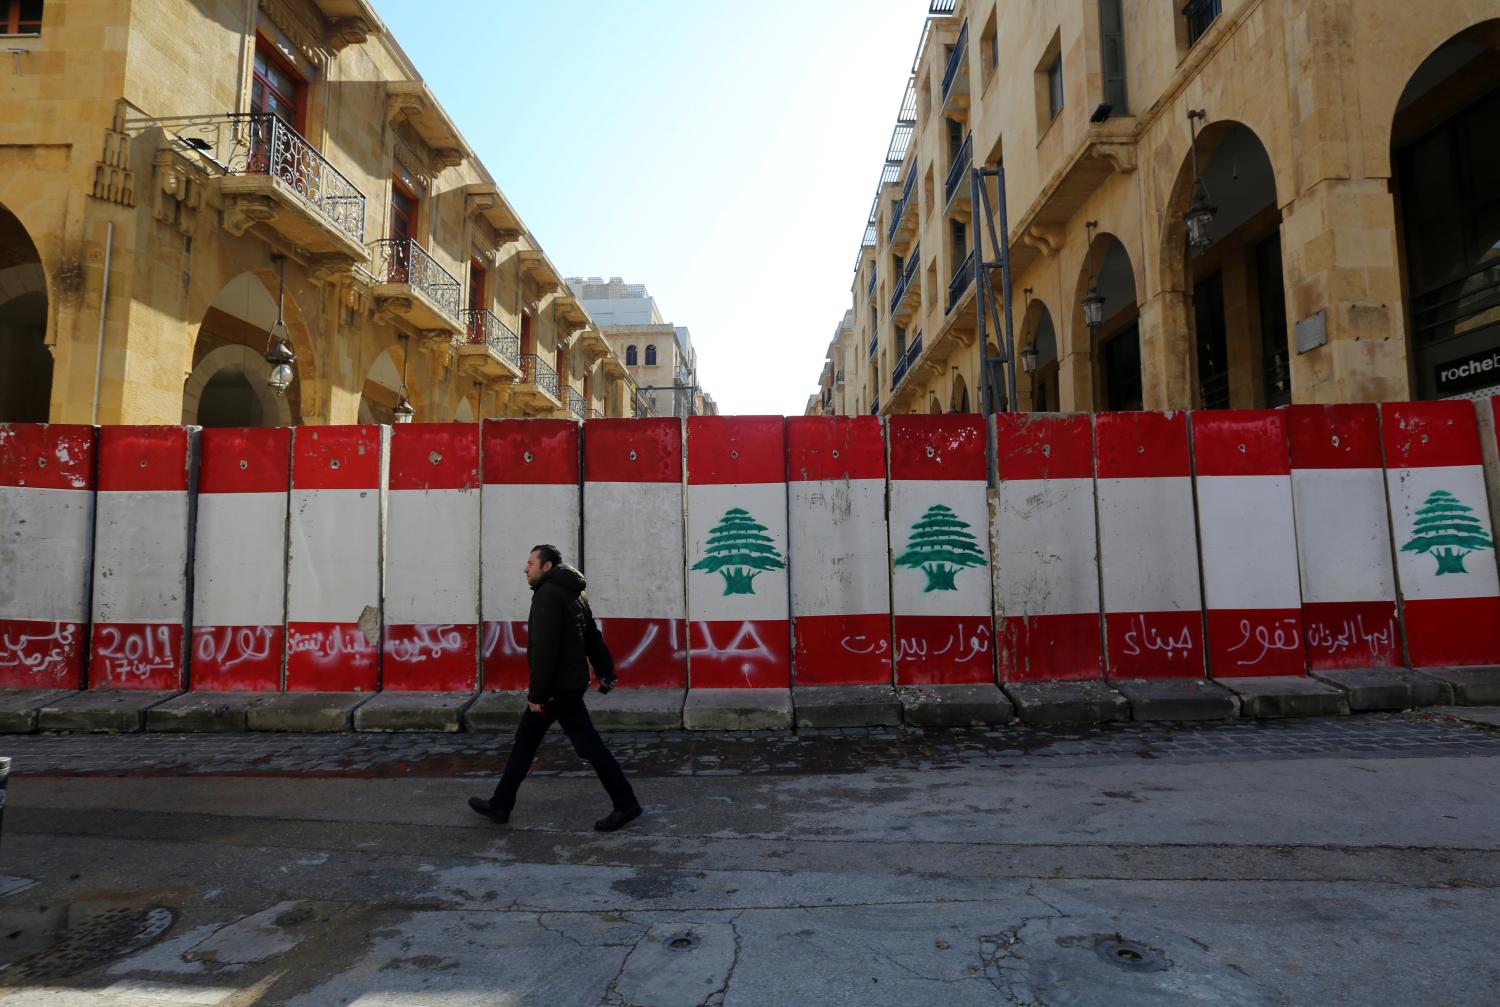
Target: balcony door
{"x": 277, "y": 88}
{"x": 403, "y": 228}
{"x": 478, "y": 294}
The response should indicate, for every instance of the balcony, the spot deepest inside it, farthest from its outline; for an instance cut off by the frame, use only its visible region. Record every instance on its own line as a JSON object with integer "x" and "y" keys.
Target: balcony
{"x": 1200, "y": 14}
{"x": 412, "y": 102}
{"x": 906, "y": 296}
{"x": 488, "y": 347}
{"x": 537, "y": 391}
{"x": 875, "y": 406}
{"x": 870, "y": 287}
{"x": 578, "y": 406}
{"x": 273, "y": 176}
{"x": 958, "y": 173}
{"x": 963, "y": 277}
{"x": 536, "y": 267}
{"x": 411, "y": 286}
{"x": 874, "y": 342}
{"x": 956, "y": 75}
{"x": 907, "y": 364}
{"x": 898, "y": 215}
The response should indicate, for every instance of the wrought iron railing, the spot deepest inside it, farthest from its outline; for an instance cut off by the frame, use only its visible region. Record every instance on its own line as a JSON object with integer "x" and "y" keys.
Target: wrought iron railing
{"x": 874, "y": 342}
{"x": 483, "y": 328}
{"x": 577, "y": 405}
{"x": 900, "y": 210}
{"x": 402, "y": 260}
{"x": 898, "y": 372}
{"x": 875, "y": 406}
{"x": 596, "y": 414}
{"x": 906, "y": 275}
{"x": 962, "y": 277}
{"x": 536, "y": 371}
{"x": 870, "y": 287}
{"x": 1200, "y": 14}
{"x": 955, "y": 59}
{"x": 906, "y": 361}
{"x": 960, "y": 167}
{"x": 262, "y": 143}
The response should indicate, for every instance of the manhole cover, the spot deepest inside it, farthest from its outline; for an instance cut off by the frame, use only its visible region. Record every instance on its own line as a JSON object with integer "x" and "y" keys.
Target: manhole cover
{"x": 1130, "y": 955}
{"x": 685, "y": 941}
{"x": 93, "y": 941}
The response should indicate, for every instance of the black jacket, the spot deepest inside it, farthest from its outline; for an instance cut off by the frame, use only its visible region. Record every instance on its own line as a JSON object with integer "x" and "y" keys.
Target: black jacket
{"x": 556, "y": 635}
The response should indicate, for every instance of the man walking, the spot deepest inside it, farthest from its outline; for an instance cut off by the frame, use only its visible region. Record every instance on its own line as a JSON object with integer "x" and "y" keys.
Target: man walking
{"x": 557, "y": 652}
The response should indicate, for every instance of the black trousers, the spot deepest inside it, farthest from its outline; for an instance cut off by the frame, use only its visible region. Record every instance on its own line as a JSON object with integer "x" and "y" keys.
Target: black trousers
{"x": 568, "y": 710}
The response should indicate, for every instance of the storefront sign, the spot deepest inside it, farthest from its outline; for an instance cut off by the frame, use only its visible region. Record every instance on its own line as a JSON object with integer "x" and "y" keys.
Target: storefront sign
{"x": 1467, "y": 373}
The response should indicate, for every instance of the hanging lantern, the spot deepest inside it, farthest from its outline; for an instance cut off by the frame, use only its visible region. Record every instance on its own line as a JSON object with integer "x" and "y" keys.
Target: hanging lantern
{"x": 403, "y": 410}
{"x": 1029, "y": 358}
{"x": 1198, "y": 218}
{"x": 278, "y": 342}
{"x": 1093, "y": 308}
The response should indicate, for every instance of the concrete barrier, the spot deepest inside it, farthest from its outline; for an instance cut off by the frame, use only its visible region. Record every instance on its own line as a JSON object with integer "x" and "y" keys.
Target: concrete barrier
{"x": 1248, "y": 539}
{"x": 1148, "y": 556}
{"x": 142, "y": 540}
{"x": 738, "y": 607}
{"x": 239, "y": 560}
{"x": 1047, "y": 549}
{"x": 1445, "y": 546}
{"x": 1343, "y": 538}
{"x": 334, "y": 558}
{"x": 46, "y": 548}
{"x": 432, "y": 554}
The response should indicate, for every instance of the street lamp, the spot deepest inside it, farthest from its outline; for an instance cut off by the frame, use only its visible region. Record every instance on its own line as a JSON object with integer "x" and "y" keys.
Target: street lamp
{"x": 403, "y": 410}
{"x": 278, "y": 342}
{"x": 1200, "y": 213}
{"x": 1093, "y": 301}
{"x": 1028, "y": 352}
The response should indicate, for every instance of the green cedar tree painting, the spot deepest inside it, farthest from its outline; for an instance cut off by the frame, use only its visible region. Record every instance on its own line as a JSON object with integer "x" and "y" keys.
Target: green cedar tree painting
{"x": 1446, "y": 529}
{"x": 739, "y": 550}
{"x": 941, "y": 545}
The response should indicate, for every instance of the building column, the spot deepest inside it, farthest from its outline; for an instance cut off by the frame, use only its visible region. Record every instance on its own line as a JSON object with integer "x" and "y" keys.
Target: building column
{"x": 1166, "y": 353}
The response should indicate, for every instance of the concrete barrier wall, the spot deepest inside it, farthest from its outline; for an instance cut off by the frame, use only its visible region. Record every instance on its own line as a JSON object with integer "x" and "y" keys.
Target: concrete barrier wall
{"x": 749, "y": 552}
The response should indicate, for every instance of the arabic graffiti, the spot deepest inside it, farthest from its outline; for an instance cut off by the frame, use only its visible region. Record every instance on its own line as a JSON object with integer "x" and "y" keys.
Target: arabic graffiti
{"x": 1257, "y": 640}
{"x": 131, "y": 654}
{"x": 743, "y": 654}
{"x": 228, "y": 647}
{"x": 423, "y": 642}
{"x": 1142, "y": 638}
{"x": 1350, "y": 637}
{"x": 863, "y": 646}
{"x": 328, "y": 646}
{"x": 40, "y": 653}
{"x": 960, "y": 646}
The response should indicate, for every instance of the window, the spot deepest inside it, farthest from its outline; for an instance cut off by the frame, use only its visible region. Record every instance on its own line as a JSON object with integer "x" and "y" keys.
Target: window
{"x": 528, "y": 344}
{"x": 1199, "y": 15}
{"x": 630, "y": 356}
{"x": 20, "y": 17}
{"x": 989, "y": 51}
{"x": 276, "y": 89}
{"x": 958, "y": 234}
{"x": 478, "y": 277}
{"x": 1054, "y": 88}
{"x": 403, "y": 211}
{"x": 650, "y": 354}
{"x": 1112, "y": 55}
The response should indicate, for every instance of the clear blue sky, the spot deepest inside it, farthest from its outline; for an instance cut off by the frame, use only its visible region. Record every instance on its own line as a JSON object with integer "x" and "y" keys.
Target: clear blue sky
{"x": 722, "y": 154}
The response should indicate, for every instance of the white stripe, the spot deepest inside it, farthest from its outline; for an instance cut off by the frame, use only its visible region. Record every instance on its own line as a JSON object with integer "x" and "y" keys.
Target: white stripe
{"x": 239, "y": 556}
{"x": 973, "y": 589}
{"x": 432, "y": 556}
{"x": 707, "y": 505}
{"x": 633, "y": 550}
{"x": 838, "y": 539}
{"x": 1249, "y": 542}
{"x": 334, "y": 555}
{"x": 1418, "y": 571}
{"x": 46, "y": 538}
{"x": 1148, "y": 555}
{"x": 1343, "y": 535}
{"x": 141, "y": 556}
{"x": 1046, "y": 548}
{"x": 517, "y": 517}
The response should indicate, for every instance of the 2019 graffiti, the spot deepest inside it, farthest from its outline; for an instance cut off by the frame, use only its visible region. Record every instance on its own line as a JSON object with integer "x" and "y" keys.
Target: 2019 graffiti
{"x": 136, "y": 655}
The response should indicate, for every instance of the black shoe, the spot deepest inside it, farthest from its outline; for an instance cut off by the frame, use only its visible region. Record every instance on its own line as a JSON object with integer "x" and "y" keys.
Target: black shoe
{"x": 618, "y": 819}
{"x": 485, "y": 808}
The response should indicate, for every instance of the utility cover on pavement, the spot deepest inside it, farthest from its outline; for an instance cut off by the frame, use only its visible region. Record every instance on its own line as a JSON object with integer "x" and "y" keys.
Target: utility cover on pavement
{"x": 677, "y": 965}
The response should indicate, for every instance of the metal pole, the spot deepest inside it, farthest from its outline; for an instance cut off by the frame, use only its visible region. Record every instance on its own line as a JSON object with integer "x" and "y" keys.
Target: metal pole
{"x": 986, "y": 407}
{"x": 4, "y": 779}
{"x": 1010, "y": 328}
{"x": 109, "y": 241}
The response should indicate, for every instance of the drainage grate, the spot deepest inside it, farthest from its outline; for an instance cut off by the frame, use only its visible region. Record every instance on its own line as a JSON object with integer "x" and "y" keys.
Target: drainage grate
{"x": 93, "y": 941}
{"x": 1130, "y": 955}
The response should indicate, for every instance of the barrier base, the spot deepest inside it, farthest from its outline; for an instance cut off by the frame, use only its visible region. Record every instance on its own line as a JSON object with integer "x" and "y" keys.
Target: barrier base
{"x": 1287, "y": 696}
{"x": 495, "y": 712}
{"x": 737, "y": 710}
{"x": 1387, "y": 688}
{"x": 315, "y": 712}
{"x": 637, "y": 709}
{"x": 1479, "y": 716}
{"x": 846, "y": 706}
{"x": 1476, "y": 686}
{"x": 954, "y": 705}
{"x": 111, "y": 711}
{"x": 1178, "y": 699}
{"x": 440, "y": 712}
{"x": 1049, "y": 704}
{"x": 18, "y": 707}
{"x": 204, "y": 712}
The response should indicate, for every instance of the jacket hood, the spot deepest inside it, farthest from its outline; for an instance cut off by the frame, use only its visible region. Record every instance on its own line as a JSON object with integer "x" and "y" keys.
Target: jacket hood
{"x": 566, "y": 577}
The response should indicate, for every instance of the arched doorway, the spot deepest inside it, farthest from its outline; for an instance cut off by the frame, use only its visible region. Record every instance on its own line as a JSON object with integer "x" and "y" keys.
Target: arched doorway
{"x": 377, "y": 403}
{"x": 1040, "y": 336}
{"x": 958, "y": 400}
{"x": 1116, "y": 342}
{"x": 25, "y": 359}
{"x": 1237, "y": 308}
{"x": 1445, "y": 157}
{"x": 228, "y": 384}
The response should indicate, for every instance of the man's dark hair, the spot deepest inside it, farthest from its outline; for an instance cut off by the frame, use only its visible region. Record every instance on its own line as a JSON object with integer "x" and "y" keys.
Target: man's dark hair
{"x": 548, "y": 554}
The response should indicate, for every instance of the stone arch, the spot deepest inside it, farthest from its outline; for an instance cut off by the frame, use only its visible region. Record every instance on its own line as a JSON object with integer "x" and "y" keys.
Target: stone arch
{"x": 228, "y": 388}
{"x": 239, "y": 318}
{"x": 1116, "y": 381}
{"x": 1039, "y": 332}
{"x": 958, "y": 399}
{"x": 382, "y": 386}
{"x": 25, "y": 358}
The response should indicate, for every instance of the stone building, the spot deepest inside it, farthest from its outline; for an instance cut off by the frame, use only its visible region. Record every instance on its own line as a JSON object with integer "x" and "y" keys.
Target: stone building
{"x": 1223, "y": 203}
{"x": 178, "y": 179}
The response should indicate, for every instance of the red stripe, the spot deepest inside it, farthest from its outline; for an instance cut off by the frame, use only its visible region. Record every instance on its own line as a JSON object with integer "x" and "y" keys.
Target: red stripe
{"x": 336, "y": 458}
{"x": 1429, "y": 434}
{"x": 1452, "y": 631}
{"x": 1141, "y": 445}
{"x": 330, "y": 657}
{"x": 143, "y": 459}
{"x": 937, "y": 447}
{"x": 842, "y": 649}
{"x": 435, "y": 456}
{"x": 1051, "y": 648}
{"x": 429, "y": 658}
{"x": 135, "y": 656}
{"x": 633, "y": 451}
{"x": 531, "y": 452}
{"x": 1352, "y": 634}
{"x": 502, "y": 656}
{"x": 648, "y": 653}
{"x": 41, "y": 655}
{"x": 236, "y": 658}
{"x": 244, "y": 460}
{"x": 834, "y": 447}
{"x": 1043, "y": 446}
{"x": 50, "y": 456}
{"x": 736, "y": 449}
{"x": 1154, "y": 644}
{"x": 730, "y": 654}
{"x": 1240, "y": 442}
{"x": 1335, "y": 437}
{"x": 944, "y": 650}
{"x": 1248, "y": 643}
